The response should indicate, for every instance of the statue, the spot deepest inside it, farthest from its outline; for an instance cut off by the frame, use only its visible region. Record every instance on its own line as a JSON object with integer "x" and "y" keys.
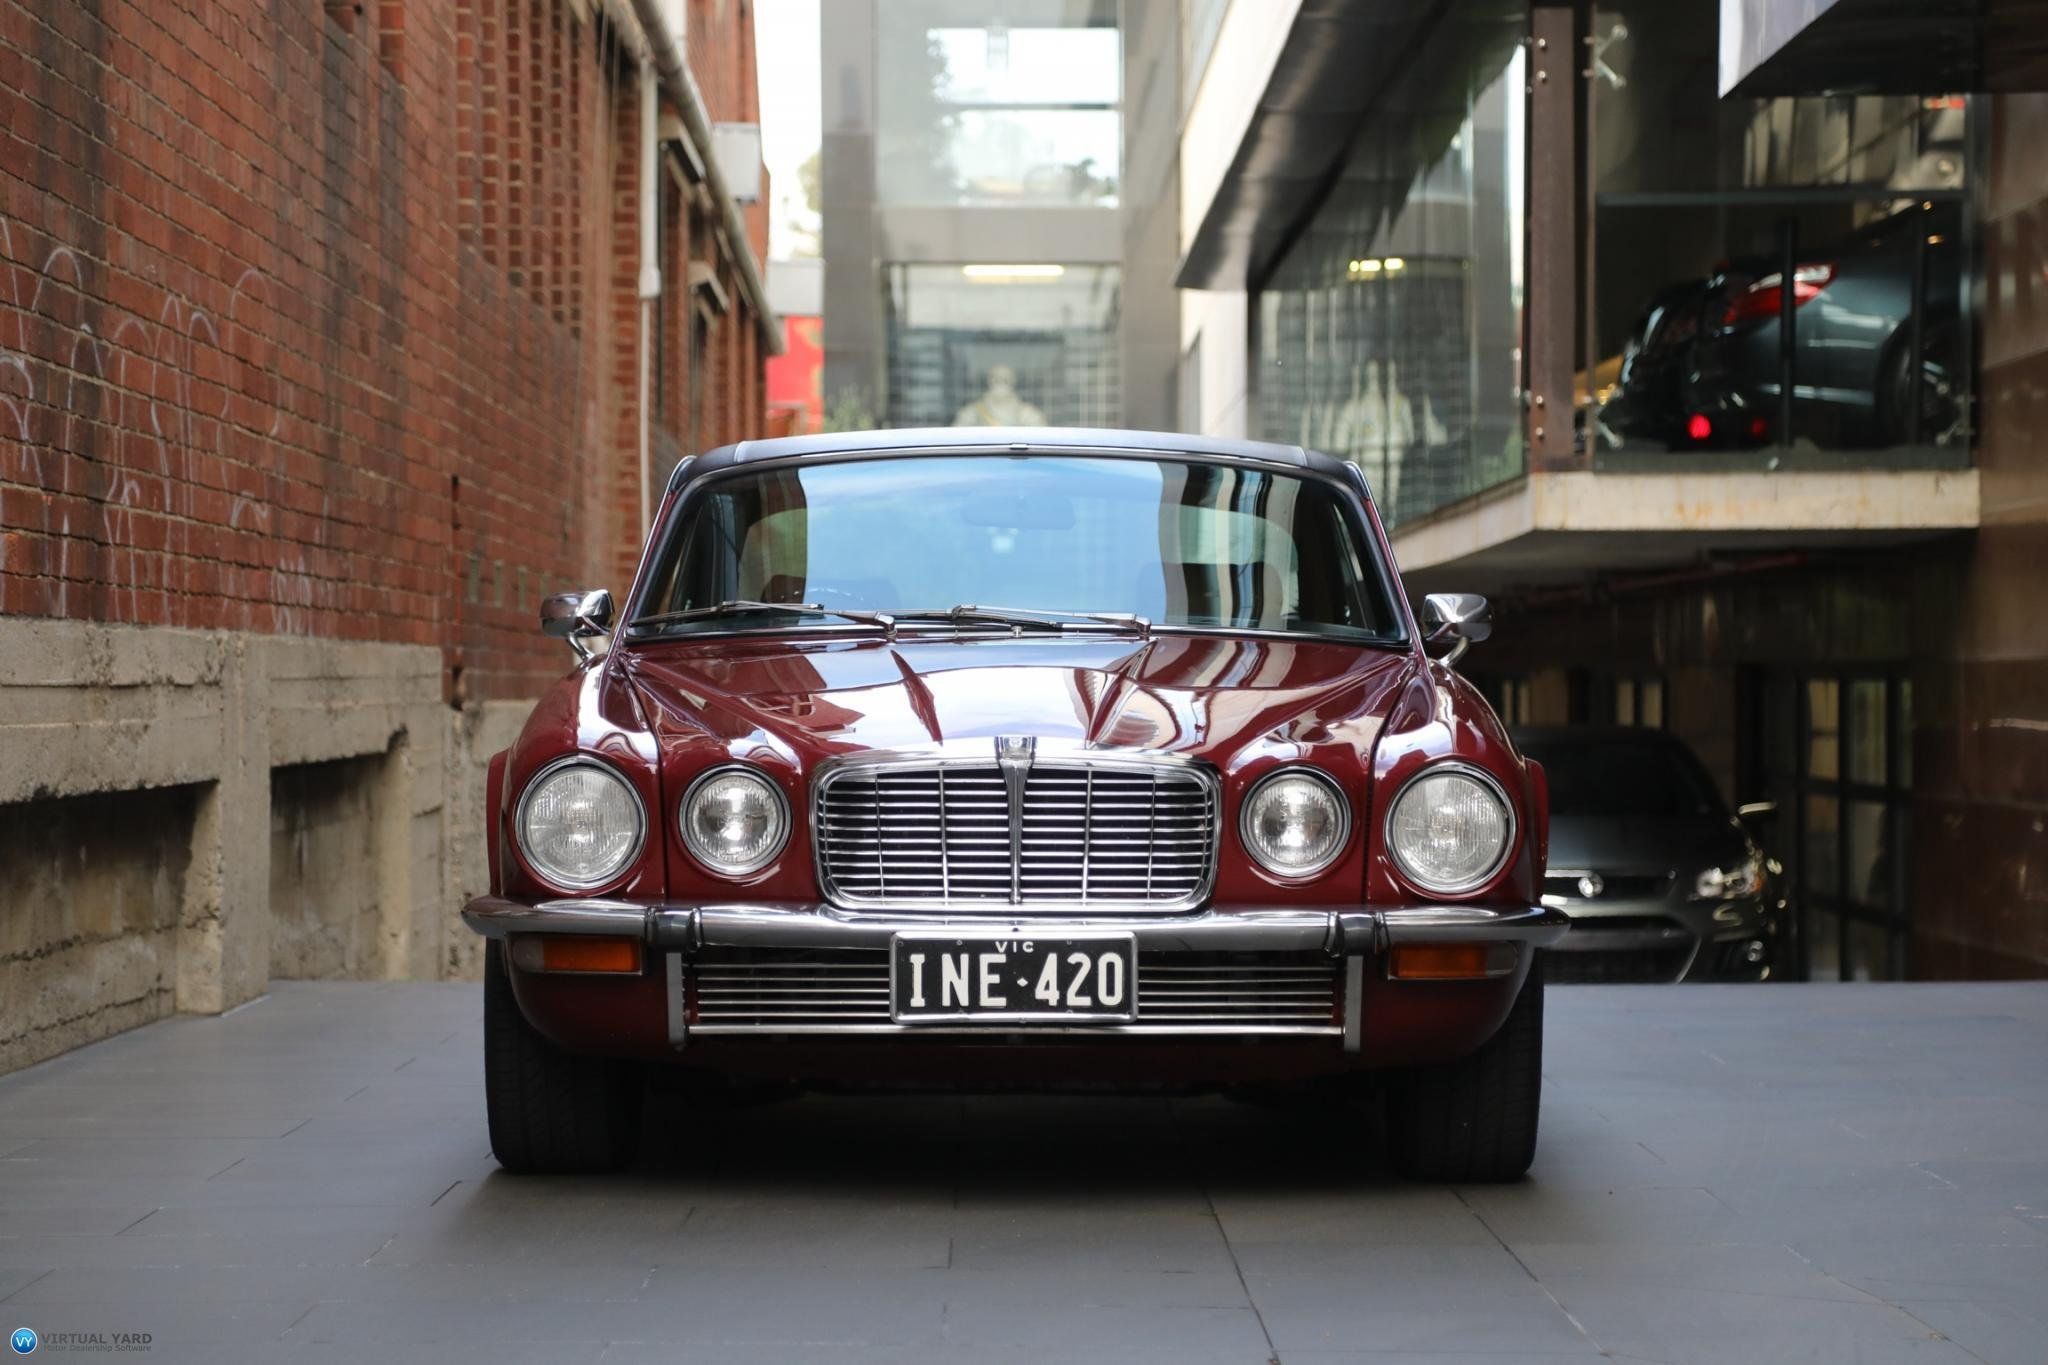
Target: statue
{"x": 1000, "y": 405}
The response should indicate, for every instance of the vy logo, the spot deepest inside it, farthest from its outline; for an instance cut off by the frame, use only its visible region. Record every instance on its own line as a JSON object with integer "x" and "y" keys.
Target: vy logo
{"x": 23, "y": 1341}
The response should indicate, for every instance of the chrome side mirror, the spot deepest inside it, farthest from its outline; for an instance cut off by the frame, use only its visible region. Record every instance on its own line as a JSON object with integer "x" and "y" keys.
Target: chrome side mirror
{"x": 1463, "y": 618}
{"x": 576, "y": 617}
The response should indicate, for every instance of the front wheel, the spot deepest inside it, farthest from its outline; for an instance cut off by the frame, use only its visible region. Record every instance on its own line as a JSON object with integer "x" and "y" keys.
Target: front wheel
{"x": 1474, "y": 1120}
{"x": 550, "y": 1112}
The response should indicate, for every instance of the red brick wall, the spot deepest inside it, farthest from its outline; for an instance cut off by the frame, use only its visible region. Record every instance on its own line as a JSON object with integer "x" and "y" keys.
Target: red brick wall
{"x": 311, "y": 318}
{"x": 721, "y": 54}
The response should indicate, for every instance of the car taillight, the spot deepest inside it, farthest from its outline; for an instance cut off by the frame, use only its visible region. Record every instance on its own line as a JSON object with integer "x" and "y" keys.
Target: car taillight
{"x": 1760, "y": 300}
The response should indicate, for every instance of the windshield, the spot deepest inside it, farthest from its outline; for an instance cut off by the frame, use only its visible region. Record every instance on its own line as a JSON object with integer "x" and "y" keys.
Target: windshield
{"x": 1181, "y": 544}
{"x": 1595, "y": 774}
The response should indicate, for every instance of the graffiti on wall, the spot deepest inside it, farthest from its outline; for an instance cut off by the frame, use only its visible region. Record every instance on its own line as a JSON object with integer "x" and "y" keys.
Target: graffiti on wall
{"x": 125, "y": 436}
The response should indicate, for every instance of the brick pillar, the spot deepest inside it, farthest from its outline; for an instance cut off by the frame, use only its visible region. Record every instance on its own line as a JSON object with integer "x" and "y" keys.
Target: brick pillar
{"x": 622, "y": 486}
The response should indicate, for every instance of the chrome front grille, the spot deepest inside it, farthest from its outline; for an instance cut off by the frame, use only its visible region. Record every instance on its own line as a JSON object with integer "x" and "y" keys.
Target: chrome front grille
{"x": 802, "y": 992}
{"x": 1093, "y": 834}
{"x": 846, "y": 990}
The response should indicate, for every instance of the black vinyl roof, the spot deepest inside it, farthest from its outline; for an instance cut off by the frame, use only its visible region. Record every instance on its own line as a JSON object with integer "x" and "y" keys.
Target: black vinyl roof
{"x": 1007, "y": 441}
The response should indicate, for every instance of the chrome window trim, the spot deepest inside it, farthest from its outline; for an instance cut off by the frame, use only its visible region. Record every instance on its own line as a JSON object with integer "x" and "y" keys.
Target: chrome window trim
{"x": 683, "y": 826}
{"x": 978, "y": 754}
{"x": 1360, "y": 517}
{"x": 828, "y": 631}
{"x": 526, "y": 796}
{"x": 1329, "y": 784}
{"x": 1507, "y": 844}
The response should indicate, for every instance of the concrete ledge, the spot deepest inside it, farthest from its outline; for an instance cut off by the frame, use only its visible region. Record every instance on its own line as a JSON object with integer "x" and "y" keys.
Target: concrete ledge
{"x": 1560, "y": 525}
{"x": 92, "y": 711}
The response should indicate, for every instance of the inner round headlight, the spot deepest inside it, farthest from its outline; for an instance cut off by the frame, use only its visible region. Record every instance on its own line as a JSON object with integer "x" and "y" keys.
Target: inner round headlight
{"x": 1449, "y": 830}
{"x": 1295, "y": 822}
{"x": 734, "y": 820}
{"x": 579, "y": 824}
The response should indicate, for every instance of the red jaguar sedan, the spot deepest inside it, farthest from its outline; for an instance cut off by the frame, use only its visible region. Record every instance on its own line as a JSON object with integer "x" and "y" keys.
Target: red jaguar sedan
{"x": 1016, "y": 758}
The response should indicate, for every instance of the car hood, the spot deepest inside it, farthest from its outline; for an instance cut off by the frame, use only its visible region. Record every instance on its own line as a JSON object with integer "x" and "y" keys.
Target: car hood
{"x": 1203, "y": 696}
{"x": 1642, "y": 843}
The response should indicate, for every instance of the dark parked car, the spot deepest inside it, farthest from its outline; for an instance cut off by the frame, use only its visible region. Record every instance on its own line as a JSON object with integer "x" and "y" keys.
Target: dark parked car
{"x": 1649, "y": 395}
{"x": 1662, "y": 881}
{"x": 1701, "y": 369}
{"x": 1016, "y": 758}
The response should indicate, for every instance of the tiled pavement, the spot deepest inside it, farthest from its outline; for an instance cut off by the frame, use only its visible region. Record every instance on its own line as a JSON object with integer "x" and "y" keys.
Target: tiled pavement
{"x": 1757, "y": 1174}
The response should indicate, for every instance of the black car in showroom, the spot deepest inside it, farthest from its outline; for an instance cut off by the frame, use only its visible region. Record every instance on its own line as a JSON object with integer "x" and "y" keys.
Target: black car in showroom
{"x": 1702, "y": 367}
{"x": 1663, "y": 881}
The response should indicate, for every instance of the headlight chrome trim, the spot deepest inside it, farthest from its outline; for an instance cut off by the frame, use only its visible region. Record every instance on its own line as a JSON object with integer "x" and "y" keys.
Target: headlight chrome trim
{"x": 1507, "y": 843}
{"x": 761, "y": 864}
{"x": 1344, "y": 822}
{"x": 578, "y": 760}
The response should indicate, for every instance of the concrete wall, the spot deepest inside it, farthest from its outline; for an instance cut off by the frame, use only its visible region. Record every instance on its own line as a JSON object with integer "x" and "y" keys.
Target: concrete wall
{"x": 145, "y": 774}
{"x": 856, "y": 361}
{"x": 1148, "y": 331}
{"x": 88, "y": 934}
{"x": 1983, "y": 778}
{"x": 323, "y": 839}
{"x": 1216, "y": 325}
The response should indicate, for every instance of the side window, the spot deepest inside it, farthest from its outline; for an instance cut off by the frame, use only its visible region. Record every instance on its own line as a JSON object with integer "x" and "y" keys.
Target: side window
{"x": 1328, "y": 567}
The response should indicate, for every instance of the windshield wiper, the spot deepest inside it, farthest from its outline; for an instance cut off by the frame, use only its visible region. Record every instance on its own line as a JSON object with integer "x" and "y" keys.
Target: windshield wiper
{"x": 740, "y": 606}
{"x": 1041, "y": 619}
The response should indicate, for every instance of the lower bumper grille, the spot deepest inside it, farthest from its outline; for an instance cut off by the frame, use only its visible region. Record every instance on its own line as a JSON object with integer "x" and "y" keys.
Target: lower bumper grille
{"x": 765, "y": 991}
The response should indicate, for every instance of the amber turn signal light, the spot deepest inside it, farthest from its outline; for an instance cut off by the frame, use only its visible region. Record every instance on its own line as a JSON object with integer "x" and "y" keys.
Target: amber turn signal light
{"x": 1450, "y": 961}
{"x": 575, "y": 953}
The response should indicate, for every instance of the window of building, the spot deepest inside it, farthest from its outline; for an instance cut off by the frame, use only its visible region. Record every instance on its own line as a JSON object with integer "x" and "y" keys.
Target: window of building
{"x": 1517, "y": 702}
{"x": 1639, "y": 701}
{"x": 1001, "y": 344}
{"x": 1834, "y": 751}
{"x": 1771, "y": 280}
{"x": 1021, "y": 110}
{"x": 1390, "y": 332}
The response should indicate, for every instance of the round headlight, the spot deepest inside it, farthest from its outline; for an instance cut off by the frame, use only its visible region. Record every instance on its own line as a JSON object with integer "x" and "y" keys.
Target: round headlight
{"x": 1449, "y": 830}
{"x": 1295, "y": 822}
{"x": 734, "y": 821}
{"x": 580, "y": 824}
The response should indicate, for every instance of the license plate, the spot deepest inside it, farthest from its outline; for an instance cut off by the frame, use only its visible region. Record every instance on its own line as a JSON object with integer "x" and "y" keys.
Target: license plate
{"x": 1004, "y": 979}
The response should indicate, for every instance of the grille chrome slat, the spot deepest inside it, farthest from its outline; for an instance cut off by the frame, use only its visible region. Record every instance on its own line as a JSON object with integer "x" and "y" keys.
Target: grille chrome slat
{"x": 1135, "y": 832}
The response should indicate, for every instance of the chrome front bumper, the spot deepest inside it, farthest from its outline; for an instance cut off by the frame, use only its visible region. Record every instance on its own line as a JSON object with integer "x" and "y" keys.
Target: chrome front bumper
{"x": 697, "y": 942}
{"x": 1342, "y": 932}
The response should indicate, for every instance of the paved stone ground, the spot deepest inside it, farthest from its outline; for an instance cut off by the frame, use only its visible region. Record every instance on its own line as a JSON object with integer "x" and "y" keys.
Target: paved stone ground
{"x": 1741, "y": 1174}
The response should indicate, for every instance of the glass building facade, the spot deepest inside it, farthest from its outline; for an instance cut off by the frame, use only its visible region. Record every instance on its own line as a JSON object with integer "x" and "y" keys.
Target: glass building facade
{"x": 1024, "y": 108}
{"x": 1390, "y": 331}
{"x": 996, "y": 284}
{"x": 992, "y": 344}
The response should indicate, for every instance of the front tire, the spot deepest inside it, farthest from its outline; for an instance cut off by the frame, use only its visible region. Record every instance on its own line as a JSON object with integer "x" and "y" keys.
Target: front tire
{"x": 1473, "y": 1121}
{"x": 550, "y": 1112}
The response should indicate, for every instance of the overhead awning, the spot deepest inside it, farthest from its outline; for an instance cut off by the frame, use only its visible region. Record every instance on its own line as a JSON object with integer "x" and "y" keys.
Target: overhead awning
{"x": 1338, "y": 58}
{"x": 1882, "y": 47}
